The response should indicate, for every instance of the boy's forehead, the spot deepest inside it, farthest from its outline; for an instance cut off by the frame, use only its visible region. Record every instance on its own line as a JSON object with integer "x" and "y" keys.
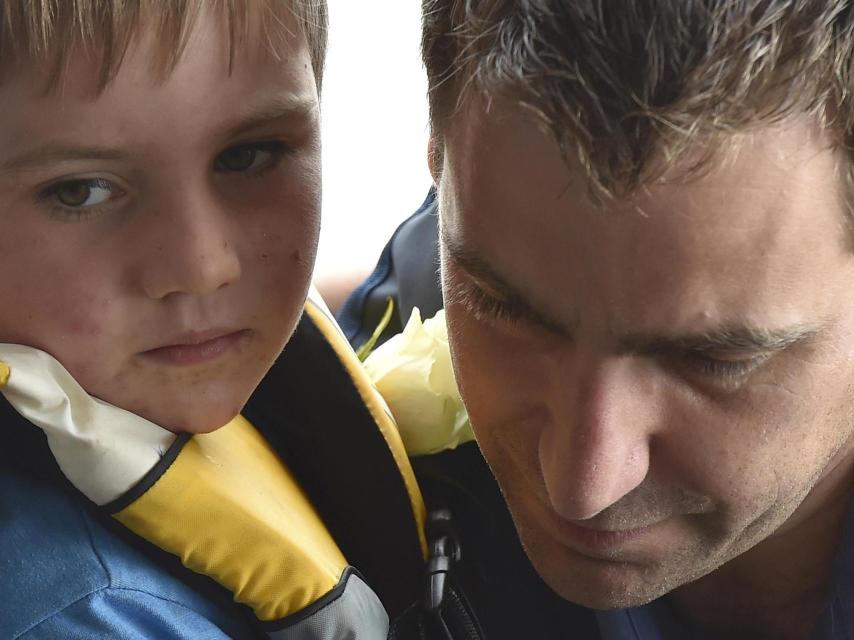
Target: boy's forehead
{"x": 204, "y": 93}
{"x": 86, "y": 63}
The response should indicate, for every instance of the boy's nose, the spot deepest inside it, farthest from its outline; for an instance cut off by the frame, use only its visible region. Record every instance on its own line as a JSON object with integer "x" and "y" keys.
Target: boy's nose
{"x": 193, "y": 251}
{"x": 597, "y": 449}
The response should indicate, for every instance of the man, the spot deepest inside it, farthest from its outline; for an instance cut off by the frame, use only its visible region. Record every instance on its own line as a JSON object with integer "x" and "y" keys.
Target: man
{"x": 646, "y": 259}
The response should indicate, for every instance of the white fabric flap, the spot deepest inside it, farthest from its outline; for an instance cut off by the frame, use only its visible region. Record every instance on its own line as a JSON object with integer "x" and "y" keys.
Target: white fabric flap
{"x": 103, "y": 450}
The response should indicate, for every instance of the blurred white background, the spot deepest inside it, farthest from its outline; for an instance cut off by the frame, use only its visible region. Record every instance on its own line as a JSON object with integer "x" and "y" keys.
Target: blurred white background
{"x": 374, "y": 133}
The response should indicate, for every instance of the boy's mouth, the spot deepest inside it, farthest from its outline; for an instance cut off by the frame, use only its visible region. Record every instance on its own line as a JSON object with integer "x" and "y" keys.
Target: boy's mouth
{"x": 198, "y": 347}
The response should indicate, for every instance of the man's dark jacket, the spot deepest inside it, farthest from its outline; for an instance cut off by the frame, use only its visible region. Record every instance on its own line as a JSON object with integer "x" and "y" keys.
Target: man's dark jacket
{"x": 505, "y": 593}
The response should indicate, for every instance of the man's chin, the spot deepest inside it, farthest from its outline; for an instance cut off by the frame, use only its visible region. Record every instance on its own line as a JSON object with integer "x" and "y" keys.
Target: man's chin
{"x": 593, "y": 582}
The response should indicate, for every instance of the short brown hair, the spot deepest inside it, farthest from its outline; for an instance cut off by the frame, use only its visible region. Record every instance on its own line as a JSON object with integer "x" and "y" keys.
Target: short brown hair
{"x": 44, "y": 31}
{"x": 619, "y": 81}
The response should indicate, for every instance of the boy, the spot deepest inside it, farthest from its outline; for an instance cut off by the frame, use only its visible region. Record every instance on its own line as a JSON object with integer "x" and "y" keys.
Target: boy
{"x": 159, "y": 197}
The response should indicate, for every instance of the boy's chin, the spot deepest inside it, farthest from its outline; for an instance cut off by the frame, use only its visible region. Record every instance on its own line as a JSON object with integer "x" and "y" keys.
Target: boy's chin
{"x": 193, "y": 408}
{"x": 195, "y": 426}
{"x": 185, "y": 420}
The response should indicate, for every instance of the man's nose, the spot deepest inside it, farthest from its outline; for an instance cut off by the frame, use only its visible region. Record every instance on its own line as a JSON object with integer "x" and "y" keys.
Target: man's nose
{"x": 597, "y": 448}
{"x": 191, "y": 249}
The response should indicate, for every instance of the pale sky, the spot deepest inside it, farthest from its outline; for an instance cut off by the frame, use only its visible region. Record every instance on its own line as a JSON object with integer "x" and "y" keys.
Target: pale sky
{"x": 374, "y": 130}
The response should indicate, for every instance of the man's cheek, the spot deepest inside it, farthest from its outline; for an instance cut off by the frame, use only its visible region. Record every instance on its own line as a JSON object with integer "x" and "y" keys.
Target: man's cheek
{"x": 505, "y": 411}
{"x": 500, "y": 374}
{"x": 750, "y": 464}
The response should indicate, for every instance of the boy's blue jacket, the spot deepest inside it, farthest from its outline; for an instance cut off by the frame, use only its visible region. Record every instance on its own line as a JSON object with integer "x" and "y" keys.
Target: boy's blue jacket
{"x": 69, "y": 570}
{"x": 67, "y": 573}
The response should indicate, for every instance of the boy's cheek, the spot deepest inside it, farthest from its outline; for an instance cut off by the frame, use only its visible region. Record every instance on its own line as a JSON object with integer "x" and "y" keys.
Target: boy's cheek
{"x": 81, "y": 326}
{"x": 54, "y": 319}
{"x": 84, "y": 313}
{"x": 284, "y": 260}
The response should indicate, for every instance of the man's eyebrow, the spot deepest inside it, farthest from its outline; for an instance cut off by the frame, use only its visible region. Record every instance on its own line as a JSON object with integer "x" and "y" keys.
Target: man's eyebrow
{"x": 295, "y": 108}
{"x": 731, "y": 338}
{"x": 727, "y": 338}
{"x": 479, "y": 269}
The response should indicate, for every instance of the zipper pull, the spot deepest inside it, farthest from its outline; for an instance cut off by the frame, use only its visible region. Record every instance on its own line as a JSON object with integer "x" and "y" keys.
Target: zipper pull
{"x": 444, "y": 553}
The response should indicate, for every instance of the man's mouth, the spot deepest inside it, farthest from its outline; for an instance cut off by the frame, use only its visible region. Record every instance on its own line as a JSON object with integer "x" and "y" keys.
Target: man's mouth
{"x": 198, "y": 347}
{"x": 596, "y": 541}
{"x": 592, "y": 539}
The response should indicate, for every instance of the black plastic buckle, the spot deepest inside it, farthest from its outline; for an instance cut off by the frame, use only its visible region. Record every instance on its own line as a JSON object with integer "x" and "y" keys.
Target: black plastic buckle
{"x": 444, "y": 553}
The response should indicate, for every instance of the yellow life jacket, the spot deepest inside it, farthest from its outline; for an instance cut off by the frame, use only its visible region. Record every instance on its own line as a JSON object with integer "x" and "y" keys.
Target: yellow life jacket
{"x": 305, "y": 507}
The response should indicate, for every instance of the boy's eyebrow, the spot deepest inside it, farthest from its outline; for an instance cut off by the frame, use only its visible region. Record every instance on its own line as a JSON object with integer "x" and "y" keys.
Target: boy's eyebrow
{"x": 52, "y": 153}
{"x": 297, "y": 108}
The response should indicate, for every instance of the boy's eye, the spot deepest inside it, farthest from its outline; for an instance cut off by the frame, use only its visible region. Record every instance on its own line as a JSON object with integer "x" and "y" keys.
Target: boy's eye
{"x": 249, "y": 157}
{"x": 80, "y": 194}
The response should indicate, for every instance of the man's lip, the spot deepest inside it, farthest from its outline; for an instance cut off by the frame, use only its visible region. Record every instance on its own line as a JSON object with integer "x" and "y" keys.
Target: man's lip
{"x": 197, "y": 346}
{"x": 600, "y": 539}
{"x": 593, "y": 541}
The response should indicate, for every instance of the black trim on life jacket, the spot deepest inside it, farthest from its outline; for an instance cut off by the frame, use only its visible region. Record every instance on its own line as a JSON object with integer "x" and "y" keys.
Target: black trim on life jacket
{"x": 25, "y": 454}
{"x": 149, "y": 478}
{"x": 328, "y": 439}
{"x": 314, "y": 607}
{"x": 310, "y": 411}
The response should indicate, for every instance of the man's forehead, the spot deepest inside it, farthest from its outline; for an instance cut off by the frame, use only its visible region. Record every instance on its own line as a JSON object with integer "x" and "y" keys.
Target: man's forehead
{"x": 761, "y": 231}
{"x": 483, "y": 126}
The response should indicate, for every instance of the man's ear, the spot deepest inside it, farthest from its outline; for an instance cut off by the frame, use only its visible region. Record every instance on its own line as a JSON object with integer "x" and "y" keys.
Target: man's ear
{"x": 435, "y": 158}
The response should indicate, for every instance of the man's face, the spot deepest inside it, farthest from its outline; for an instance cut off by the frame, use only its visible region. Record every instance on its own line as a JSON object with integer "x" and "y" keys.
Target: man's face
{"x": 158, "y": 238}
{"x": 661, "y": 382}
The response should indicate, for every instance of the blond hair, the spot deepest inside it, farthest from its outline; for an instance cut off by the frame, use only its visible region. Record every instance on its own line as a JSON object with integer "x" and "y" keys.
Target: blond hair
{"x": 620, "y": 83}
{"x": 44, "y": 31}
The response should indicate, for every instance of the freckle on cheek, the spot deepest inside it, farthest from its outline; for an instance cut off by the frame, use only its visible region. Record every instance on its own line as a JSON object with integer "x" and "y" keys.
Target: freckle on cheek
{"x": 83, "y": 328}
{"x": 298, "y": 258}
{"x": 82, "y": 320}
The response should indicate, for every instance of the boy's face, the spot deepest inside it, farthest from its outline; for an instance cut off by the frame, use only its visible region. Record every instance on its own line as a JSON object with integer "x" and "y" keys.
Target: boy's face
{"x": 158, "y": 238}
{"x": 658, "y": 384}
